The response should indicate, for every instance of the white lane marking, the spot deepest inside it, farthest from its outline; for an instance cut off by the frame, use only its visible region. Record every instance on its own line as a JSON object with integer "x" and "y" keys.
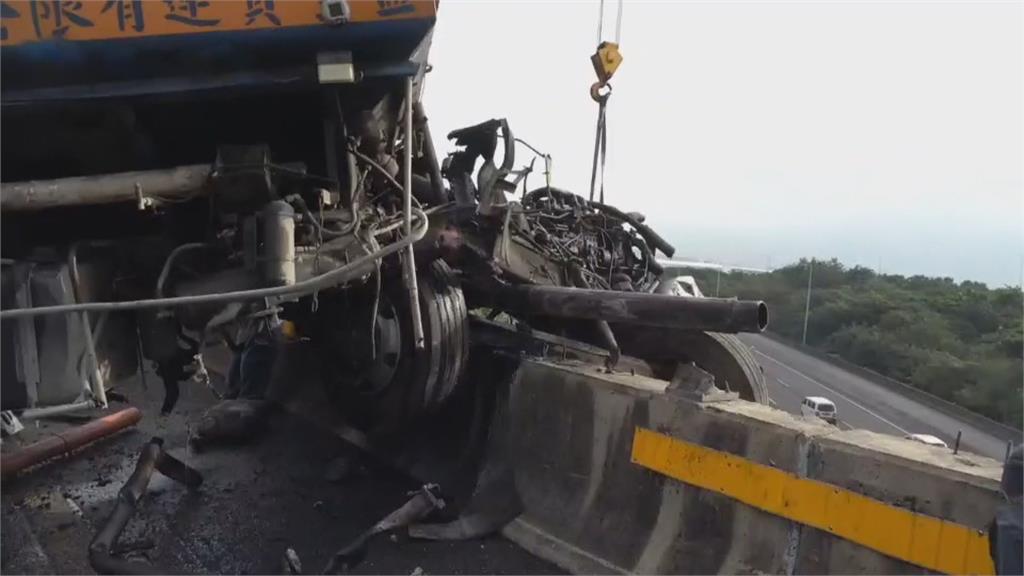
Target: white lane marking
{"x": 772, "y": 402}
{"x": 845, "y": 423}
{"x": 783, "y": 383}
{"x": 834, "y": 391}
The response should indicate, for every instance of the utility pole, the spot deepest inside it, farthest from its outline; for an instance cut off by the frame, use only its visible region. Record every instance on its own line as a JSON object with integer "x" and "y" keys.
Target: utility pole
{"x": 807, "y": 306}
{"x": 718, "y": 280}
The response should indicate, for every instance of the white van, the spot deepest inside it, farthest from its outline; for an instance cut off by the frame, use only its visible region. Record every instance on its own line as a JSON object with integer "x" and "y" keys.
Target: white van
{"x": 819, "y": 406}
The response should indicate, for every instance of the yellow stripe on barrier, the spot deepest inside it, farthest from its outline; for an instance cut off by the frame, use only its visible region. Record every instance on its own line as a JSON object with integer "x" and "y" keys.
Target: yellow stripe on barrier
{"x": 915, "y": 538}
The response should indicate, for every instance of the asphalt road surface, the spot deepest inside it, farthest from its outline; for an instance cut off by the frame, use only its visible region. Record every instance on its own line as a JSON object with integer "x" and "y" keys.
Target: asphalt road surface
{"x": 792, "y": 375}
{"x": 297, "y": 485}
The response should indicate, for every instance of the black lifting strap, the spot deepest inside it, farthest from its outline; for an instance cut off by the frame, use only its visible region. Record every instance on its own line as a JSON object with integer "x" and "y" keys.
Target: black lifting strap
{"x": 600, "y": 144}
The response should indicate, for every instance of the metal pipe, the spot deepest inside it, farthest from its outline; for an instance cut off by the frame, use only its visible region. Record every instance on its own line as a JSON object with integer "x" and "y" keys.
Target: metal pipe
{"x": 65, "y": 442}
{"x": 807, "y": 304}
{"x": 97, "y": 331}
{"x": 614, "y": 353}
{"x": 97, "y": 335}
{"x": 175, "y": 183}
{"x": 498, "y": 335}
{"x": 99, "y": 390}
{"x": 373, "y": 164}
{"x": 165, "y": 271}
{"x": 153, "y": 457}
{"x": 325, "y": 280}
{"x": 139, "y": 355}
{"x": 410, "y": 256}
{"x": 712, "y": 314}
{"x": 36, "y": 413}
{"x": 436, "y": 180}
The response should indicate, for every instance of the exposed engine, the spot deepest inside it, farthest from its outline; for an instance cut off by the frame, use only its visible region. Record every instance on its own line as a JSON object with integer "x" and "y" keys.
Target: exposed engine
{"x": 377, "y": 264}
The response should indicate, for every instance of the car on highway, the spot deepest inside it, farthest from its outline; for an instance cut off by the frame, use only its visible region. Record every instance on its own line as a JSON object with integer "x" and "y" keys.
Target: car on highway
{"x": 820, "y": 407}
{"x": 927, "y": 439}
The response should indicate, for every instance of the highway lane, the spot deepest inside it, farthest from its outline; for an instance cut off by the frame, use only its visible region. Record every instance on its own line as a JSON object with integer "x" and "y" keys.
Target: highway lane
{"x": 791, "y": 375}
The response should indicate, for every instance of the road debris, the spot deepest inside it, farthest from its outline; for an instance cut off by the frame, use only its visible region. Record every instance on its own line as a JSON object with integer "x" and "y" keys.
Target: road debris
{"x": 291, "y": 564}
{"x": 423, "y": 502}
{"x": 68, "y": 441}
{"x": 104, "y": 549}
{"x": 230, "y": 422}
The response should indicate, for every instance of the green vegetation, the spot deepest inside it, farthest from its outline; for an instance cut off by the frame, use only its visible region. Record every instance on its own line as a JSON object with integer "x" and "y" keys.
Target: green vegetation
{"x": 962, "y": 342}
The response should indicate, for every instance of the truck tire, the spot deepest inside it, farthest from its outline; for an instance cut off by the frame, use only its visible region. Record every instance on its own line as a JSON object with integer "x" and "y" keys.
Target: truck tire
{"x": 725, "y": 356}
{"x": 388, "y": 392}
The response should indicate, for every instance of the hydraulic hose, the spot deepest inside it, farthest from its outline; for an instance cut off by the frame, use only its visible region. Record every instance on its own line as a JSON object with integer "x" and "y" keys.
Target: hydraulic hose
{"x": 314, "y": 284}
{"x": 645, "y": 231}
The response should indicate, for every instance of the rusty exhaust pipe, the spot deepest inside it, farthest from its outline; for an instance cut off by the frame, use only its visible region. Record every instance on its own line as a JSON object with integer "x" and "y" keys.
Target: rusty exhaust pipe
{"x": 641, "y": 308}
{"x": 68, "y": 441}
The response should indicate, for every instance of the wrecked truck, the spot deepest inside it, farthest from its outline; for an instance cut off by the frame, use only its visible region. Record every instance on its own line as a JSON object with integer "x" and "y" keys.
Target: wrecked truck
{"x": 182, "y": 174}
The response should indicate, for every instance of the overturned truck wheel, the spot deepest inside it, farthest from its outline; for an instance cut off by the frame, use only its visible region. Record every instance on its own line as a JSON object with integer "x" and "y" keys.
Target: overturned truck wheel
{"x": 385, "y": 384}
{"x": 730, "y": 361}
{"x": 724, "y": 356}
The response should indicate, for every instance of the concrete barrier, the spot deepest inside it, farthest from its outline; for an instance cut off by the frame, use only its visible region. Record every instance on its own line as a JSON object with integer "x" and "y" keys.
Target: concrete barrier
{"x": 619, "y": 474}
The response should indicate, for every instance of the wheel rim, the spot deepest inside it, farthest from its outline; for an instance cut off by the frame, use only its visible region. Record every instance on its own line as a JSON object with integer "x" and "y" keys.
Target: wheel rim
{"x": 380, "y": 369}
{"x": 390, "y": 389}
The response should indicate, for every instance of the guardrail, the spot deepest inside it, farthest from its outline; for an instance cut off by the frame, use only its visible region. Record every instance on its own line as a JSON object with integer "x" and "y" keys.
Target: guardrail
{"x": 983, "y": 423}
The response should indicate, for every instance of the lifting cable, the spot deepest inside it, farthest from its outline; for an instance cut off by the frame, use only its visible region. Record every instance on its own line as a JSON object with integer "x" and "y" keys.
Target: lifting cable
{"x": 606, "y": 60}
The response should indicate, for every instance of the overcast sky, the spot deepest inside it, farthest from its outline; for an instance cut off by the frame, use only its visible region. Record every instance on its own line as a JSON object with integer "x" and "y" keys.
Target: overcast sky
{"x": 754, "y": 133}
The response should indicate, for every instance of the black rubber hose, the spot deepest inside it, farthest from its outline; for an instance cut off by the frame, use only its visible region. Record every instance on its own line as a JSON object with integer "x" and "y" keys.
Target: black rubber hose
{"x": 648, "y": 234}
{"x": 645, "y": 231}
